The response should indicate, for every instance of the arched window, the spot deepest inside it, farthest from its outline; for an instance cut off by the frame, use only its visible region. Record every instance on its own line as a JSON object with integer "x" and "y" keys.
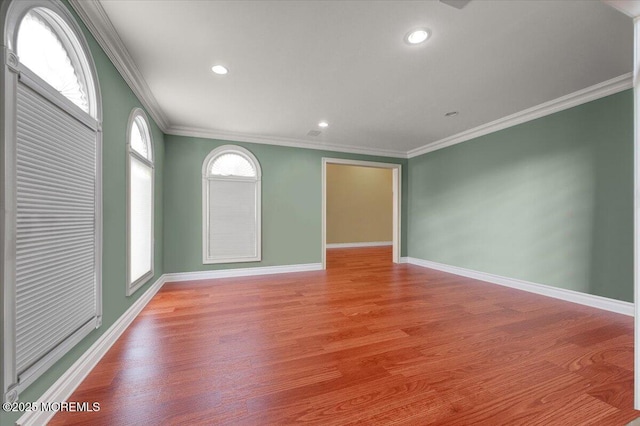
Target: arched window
{"x": 231, "y": 200}
{"x": 47, "y": 49}
{"x": 139, "y": 201}
{"x": 51, "y": 268}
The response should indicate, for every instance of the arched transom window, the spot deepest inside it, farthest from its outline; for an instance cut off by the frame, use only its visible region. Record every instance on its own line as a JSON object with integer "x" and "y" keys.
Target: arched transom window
{"x": 49, "y": 49}
{"x": 231, "y": 179}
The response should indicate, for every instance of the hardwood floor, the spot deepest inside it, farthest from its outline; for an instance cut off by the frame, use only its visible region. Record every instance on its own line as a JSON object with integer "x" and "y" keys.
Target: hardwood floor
{"x": 365, "y": 342}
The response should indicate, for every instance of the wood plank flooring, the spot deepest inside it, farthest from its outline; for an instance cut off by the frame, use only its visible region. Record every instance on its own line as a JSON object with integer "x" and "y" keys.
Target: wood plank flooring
{"x": 365, "y": 342}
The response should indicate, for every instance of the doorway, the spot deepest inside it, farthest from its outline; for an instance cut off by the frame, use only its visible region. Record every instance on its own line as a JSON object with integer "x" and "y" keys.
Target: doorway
{"x": 396, "y": 184}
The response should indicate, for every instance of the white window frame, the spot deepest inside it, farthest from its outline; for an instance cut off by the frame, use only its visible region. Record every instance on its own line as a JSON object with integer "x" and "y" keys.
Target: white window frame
{"x": 138, "y": 115}
{"x": 12, "y": 71}
{"x": 207, "y": 258}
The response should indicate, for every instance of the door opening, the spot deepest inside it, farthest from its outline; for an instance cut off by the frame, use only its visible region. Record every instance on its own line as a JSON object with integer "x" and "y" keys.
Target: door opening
{"x": 396, "y": 173}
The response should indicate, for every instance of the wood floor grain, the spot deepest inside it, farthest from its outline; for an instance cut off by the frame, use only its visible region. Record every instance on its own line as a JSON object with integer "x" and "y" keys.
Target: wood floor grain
{"x": 364, "y": 342}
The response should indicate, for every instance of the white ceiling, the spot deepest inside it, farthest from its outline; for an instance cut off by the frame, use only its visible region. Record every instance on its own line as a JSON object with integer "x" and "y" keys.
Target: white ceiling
{"x": 292, "y": 64}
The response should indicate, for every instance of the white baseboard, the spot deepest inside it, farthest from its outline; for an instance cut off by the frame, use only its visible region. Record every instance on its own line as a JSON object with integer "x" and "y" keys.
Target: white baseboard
{"x": 241, "y": 272}
{"x": 612, "y": 305}
{"x": 62, "y": 389}
{"x": 369, "y": 244}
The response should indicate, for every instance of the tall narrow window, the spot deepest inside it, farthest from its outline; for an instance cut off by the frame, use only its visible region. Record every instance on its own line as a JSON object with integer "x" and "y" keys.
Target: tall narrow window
{"x": 139, "y": 202}
{"x": 51, "y": 247}
{"x": 231, "y": 197}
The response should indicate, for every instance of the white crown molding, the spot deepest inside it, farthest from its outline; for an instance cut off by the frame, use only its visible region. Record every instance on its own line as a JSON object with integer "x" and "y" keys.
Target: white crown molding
{"x": 270, "y": 140}
{"x": 241, "y": 272}
{"x": 62, "y": 389}
{"x": 612, "y": 305}
{"x": 96, "y": 20}
{"x": 352, "y": 245}
{"x": 630, "y": 8}
{"x": 588, "y": 94}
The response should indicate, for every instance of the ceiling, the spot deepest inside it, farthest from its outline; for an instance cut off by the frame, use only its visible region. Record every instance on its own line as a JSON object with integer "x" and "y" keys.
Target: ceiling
{"x": 293, "y": 64}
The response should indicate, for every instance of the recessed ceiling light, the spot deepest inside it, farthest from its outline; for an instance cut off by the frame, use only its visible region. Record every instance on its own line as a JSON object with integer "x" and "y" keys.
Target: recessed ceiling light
{"x": 323, "y": 124}
{"x": 451, "y": 114}
{"x": 219, "y": 69}
{"x": 417, "y": 36}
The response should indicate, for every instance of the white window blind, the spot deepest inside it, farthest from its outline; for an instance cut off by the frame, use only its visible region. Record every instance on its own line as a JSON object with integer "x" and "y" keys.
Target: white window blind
{"x": 232, "y": 219}
{"x": 141, "y": 211}
{"x": 55, "y": 228}
{"x": 51, "y": 193}
{"x": 231, "y": 206}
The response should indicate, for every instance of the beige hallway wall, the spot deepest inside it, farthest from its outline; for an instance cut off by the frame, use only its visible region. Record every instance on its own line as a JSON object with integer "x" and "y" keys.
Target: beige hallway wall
{"x": 359, "y": 204}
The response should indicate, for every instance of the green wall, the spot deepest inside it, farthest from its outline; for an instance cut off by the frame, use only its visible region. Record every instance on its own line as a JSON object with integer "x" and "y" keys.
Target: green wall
{"x": 117, "y": 102}
{"x": 291, "y": 202}
{"x": 549, "y": 201}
